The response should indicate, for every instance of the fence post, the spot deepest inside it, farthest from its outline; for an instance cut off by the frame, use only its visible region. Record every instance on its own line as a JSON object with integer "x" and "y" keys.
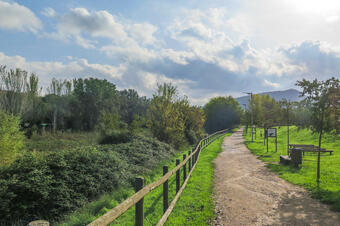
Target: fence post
{"x": 139, "y": 215}
{"x": 184, "y": 168}
{"x": 318, "y": 168}
{"x": 193, "y": 158}
{"x": 165, "y": 190}
{"x": 178, "y": 179}
{"x": 189, "y": 160}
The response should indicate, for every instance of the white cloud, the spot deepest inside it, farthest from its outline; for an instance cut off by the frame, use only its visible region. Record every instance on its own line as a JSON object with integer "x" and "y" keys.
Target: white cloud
{"x": 271, "y": 84}
{"x": 271, "y": 23}
{"x": 73, "y": 68}
{"x": 48, "y": 12}
{"x": 85, "y": 27}
{"x": 17, "y": 17}
{"x": 143, "y": 32}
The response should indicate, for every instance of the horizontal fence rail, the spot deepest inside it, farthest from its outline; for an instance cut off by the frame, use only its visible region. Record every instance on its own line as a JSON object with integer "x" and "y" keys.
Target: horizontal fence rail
{"x": 137, "y": 198}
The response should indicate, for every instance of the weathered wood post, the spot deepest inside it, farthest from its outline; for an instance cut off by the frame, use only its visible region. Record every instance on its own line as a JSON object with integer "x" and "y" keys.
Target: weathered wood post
{"x": 189, "y": 160}
{"x": 139, "y": 215}
{"x": 178, "y": 179}
{"x": 276, "y": 143}
{"x": 267, "y": 139}
{"x": 192, "y": 158}
{"x": 184, "y": 168}
{"x": 165, "y": 190}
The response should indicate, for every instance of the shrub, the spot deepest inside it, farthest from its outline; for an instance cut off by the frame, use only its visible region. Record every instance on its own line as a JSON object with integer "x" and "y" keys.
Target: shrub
{"x": 115, "y": 137}
{"x": 11, "y": 138}
{"x": 49, "y": 185}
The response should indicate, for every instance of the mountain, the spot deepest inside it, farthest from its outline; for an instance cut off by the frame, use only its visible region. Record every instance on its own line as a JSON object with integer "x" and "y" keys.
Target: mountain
{"x": 289, "y": 94}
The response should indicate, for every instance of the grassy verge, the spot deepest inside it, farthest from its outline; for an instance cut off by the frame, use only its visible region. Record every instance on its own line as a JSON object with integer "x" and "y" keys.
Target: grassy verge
{"x": 196, "y": 206}
{"x": 328, "y": 190}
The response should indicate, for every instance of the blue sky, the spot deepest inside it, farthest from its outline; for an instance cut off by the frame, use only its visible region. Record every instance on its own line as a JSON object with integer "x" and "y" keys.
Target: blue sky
{"x": 206, "y": 48}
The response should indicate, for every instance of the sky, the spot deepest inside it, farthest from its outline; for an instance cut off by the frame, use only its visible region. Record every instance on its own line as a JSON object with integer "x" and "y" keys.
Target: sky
{"x": 205, "y": 48}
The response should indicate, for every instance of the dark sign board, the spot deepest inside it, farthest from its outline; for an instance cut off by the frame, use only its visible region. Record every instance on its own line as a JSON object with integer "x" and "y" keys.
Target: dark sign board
{"x": 271, "y": 132}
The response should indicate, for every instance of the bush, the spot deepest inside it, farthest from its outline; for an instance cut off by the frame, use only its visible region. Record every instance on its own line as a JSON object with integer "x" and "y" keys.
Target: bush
{"x": 49, "y": 185}
{"x": 11, "y": 138}
{"x": 115, "y": 137}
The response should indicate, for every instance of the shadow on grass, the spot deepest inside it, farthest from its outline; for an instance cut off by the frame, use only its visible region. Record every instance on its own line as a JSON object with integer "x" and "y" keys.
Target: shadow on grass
{"x": 332, "y": 198}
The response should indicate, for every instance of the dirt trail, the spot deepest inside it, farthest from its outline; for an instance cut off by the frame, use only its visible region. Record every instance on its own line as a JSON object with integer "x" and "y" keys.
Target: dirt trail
{"x": 247, "y": 193}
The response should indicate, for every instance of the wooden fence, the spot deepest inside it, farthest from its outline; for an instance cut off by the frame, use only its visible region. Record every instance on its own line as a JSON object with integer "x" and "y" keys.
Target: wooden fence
{"x": 141, "y": 191}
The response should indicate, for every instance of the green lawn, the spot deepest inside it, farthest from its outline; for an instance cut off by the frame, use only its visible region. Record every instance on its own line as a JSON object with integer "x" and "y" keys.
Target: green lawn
{"x": 196, "y": 206}
{"x": 328, "y": 190}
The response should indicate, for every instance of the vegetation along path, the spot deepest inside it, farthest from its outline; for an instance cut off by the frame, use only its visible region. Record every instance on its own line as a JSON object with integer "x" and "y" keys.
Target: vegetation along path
{"x": 247, "y": 193}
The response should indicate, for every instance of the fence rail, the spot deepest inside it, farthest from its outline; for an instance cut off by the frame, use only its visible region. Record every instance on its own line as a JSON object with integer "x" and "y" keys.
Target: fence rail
{"x": 141, "y": 192}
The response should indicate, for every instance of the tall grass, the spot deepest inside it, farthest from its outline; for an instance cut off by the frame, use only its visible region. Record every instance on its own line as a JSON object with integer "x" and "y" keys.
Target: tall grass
{"x": 328, "y": 190}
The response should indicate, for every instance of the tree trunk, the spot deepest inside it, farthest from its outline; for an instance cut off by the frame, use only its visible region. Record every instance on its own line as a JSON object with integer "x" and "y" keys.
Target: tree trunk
{"x": 320, "y": 139}
{"x": 55, "y": 120}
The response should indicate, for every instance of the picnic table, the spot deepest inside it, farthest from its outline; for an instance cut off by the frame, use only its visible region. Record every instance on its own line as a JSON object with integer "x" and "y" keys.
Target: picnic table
{"x": 308, "y": 148}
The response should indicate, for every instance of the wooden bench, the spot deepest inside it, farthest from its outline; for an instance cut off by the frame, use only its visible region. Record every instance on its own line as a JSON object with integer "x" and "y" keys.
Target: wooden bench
{"x": 308, "y": 148}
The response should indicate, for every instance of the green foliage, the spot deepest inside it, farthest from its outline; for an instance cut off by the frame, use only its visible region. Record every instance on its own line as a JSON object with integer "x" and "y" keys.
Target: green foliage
{"x": 328, "y": 188}
{"x": 60, "y": 141}
{"x": 132, "y": 105}
{"x": 172, "y": 119}
{"x": 221, "y": 113}
{"x": 92, "y": 96}
{"x": 11, "y": 138}
{"x": 115, "y": 137}
{"x": 318, "y": 95}
{"x": 54, "y": 183}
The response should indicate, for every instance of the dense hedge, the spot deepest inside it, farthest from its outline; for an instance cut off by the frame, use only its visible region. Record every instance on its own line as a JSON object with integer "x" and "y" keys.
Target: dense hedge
{"x": 46, "y": 186}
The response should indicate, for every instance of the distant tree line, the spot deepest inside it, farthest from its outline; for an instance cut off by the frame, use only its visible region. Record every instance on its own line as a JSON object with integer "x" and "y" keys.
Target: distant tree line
{"x": 318, "y": 111}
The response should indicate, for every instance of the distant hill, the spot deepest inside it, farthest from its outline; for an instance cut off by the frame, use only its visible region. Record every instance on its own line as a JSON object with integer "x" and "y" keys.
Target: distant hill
{"x": 289, "y": 94}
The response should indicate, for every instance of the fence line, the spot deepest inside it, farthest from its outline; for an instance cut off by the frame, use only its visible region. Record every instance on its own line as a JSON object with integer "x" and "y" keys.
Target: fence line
{"x": 137, "y": 198}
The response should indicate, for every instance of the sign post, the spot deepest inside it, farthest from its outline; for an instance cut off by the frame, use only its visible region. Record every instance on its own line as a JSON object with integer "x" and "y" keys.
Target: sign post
{"x": 271, "y": 132}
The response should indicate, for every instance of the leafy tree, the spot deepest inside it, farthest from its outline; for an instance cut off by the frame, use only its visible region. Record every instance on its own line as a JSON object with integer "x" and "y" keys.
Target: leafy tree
{"x": 221, "y": 113}
{"x": 55, "y": 91}
{"x": 11, "y": 138}
{"x": 92, "y": 96}
{"x": 131, "y": 104}
{"x": 318, "y": 95}
{"x": 166, "y": 118}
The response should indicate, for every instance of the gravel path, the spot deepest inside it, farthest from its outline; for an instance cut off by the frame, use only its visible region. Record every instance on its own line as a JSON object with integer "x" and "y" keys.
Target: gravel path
{"x": 247, "y": 193}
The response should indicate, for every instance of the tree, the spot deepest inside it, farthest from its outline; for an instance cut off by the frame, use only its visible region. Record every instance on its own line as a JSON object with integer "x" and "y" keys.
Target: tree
{"x": 131, "y": 105}
{"x": 12, "y": 87}
{"x": 11, "y": 138}
{"x": 55, "y": 91}
{"x": 92, "y": 96}
{"x": 221, "y": 113}
{"x": 318, "y": 94}
{"x": 167, "y": 121}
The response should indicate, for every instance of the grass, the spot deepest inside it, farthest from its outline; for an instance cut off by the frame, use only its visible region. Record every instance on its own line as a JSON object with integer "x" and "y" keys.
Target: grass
{"x": 196, "y": 206}
{"x": 60, "y": 141}
{"x": 328, "y": 190}
{"x": 189, "y": 210}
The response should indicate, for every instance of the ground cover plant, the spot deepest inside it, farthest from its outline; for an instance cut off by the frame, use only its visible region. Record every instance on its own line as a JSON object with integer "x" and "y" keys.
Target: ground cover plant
{"x": 152, "y": 202}
{"x": 328, "y": 189}
{"x": 60, "y": 141}
{"x": 49, "y": 185}
{"x": 200, "y": 184}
